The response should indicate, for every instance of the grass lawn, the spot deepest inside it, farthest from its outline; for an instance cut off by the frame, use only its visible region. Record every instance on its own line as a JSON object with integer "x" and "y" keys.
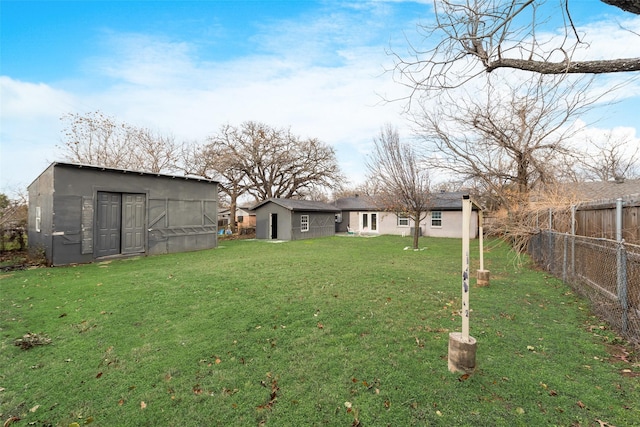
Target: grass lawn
{"x": 340, "y": 331}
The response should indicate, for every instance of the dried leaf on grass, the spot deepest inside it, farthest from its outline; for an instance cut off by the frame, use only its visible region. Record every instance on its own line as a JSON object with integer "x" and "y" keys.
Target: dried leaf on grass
{"x": 10, "y": 421}
{"x": 273, "y": 397}
{"x": 31, "y": 340}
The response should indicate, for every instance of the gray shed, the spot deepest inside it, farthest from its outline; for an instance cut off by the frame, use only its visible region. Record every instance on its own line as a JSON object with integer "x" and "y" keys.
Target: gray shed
{"x": 287, "y": 219}
{"x": 80, "y": 213}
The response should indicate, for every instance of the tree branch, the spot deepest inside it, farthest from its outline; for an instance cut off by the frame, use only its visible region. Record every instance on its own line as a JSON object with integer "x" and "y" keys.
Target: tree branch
{"x": 576, "y": 67}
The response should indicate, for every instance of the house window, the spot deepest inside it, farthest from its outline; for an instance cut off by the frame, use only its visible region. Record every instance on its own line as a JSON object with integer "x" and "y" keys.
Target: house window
{"x": 304, "y": 223}
{"x": 240, "y": 218}
{"x": 403, "y": 221}
{"x": 339, "y": 217}
{"x": 436, "y": 219}
{"x": 38, "y": 218}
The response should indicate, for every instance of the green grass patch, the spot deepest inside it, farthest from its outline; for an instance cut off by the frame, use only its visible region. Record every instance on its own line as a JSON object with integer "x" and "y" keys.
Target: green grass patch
{"x": 333, "y": 331}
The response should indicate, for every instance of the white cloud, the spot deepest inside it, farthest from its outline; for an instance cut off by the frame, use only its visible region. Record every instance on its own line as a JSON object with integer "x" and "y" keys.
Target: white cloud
{"x": 319, "y": 75}
{"x": 25, "y": 99}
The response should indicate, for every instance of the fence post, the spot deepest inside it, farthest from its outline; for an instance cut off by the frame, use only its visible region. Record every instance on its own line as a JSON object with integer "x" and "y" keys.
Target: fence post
{"x": 621, "y": 261}
{"x": 551, "y": 255}
{"x": 564, "y": 258}
{"x": 573, "y": 240}
{"x": 622, "y": 283}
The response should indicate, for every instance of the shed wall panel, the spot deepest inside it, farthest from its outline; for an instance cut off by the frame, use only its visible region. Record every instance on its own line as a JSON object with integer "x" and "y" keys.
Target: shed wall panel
{"x": 161, "y": 208}
{"x": 321, "y": 224}
{"x": 41, "y": 200}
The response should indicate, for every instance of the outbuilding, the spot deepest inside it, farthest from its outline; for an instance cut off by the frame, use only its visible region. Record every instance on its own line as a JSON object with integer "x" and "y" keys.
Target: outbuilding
{"x": 289, "y": 219}
{"x": 81, "y": 213}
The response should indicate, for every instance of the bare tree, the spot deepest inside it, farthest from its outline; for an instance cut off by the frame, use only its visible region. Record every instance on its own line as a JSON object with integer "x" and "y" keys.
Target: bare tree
{"x": 510, "y": 140}
{"x": 610, "y": 158}
{"x": 404, "y": 186}
{"x": 277, "y": 163}
{"x": 13, "y": 221}
{"x": 154, "y": 152}
{"x": 264, "y": 162}
{"x": 219, "y": 159}
{"x": 97, "y": 139}
{"x": 476, "y": 36}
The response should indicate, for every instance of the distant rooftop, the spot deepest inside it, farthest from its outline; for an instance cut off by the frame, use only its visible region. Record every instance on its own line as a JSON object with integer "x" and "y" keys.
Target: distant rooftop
{"x": 300, "y": 205}
{"x": 441, "y": 201}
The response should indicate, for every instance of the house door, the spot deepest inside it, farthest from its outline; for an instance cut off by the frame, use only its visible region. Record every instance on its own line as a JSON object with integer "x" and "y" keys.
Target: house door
{"x": 369, "y": 222}
{"x": 120, "y": 220}
{"x": 274, "y": 226}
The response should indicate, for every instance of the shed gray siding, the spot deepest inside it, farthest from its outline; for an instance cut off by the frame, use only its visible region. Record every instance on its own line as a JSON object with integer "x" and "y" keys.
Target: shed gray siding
{"x": 288, "y": 219}
{"x": 264, "y": 226}
{"x": 41, "y": 200}
{"x": 321, "y": 224}
{"x": 159, "y": 213}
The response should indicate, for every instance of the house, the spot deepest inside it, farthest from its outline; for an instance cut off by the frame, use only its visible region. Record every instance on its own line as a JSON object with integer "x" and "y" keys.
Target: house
{"x": 80, "y": 213}
{"x": 245, "y": 219}
{"x": 288, "y": 219}
{"x": 363, "y": 215}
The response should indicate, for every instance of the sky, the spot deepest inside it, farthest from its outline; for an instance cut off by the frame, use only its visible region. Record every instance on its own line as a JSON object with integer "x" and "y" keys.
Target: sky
{"x": 185, "y": 68}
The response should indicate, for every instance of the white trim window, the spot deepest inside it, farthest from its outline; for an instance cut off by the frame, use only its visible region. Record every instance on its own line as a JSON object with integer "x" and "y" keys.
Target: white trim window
{"x": 304, "y": 223}
{"x": 436, "y": 219}
{"x": 403, "y": 220}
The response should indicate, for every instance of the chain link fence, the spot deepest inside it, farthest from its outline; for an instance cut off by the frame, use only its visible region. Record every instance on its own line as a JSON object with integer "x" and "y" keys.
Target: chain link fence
{"x": 605, "y": 271}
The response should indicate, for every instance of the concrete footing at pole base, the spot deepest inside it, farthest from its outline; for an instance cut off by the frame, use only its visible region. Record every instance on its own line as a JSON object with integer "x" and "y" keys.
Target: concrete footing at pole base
{"x": 482, "y": 278}
{"x": 462, "y": 353}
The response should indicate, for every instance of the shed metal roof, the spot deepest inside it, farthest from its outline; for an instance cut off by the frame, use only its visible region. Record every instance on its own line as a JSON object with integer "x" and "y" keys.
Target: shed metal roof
{"x": 299, "y": 205}
{"x": 129, "y": 171}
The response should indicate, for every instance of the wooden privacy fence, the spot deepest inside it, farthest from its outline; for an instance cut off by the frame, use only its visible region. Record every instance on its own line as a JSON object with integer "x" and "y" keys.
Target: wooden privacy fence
{"x": 610, "y": 219}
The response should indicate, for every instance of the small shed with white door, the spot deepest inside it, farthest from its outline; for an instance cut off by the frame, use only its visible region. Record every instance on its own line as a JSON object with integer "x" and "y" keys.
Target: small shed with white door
{"x": 289, "y": 219}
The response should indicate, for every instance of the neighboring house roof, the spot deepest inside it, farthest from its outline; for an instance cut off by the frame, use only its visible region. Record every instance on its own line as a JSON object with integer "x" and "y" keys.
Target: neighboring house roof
{"x": 449, "y": 201}
{"x": 299, "y": 205}
{"x": 227, "y": 211}
{"x": 604, "y": 190}
{"x": 603, "y": 194}
{"x": 356, "y": 203}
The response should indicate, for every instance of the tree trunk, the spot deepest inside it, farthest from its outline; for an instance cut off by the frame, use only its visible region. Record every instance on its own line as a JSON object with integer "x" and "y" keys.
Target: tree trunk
{"x": 232, "y": 210}
{"x": 416, "y": 230}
